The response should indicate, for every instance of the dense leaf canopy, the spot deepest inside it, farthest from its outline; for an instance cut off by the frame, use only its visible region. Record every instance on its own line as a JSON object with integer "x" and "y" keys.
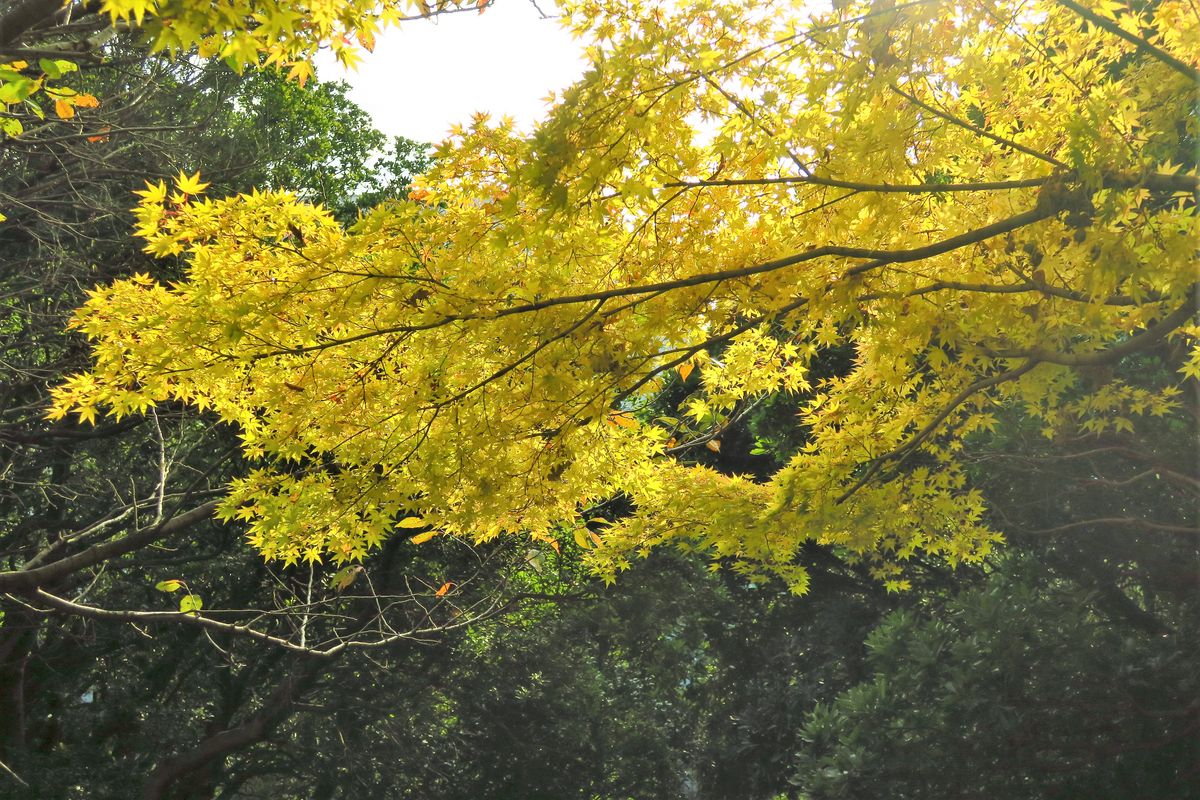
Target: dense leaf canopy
{"x": 989, "y": 203}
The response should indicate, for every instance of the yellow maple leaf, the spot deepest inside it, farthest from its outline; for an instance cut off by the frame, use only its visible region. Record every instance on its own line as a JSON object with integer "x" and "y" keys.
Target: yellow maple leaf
{"x": 153, "y": 193}
{"x": 190, "y": 184}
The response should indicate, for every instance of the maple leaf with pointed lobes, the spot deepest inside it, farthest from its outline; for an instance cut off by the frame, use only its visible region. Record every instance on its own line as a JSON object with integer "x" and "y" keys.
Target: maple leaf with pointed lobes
{"x": 190, "y": 184}
{"x": 154, "y": 193}
{"x": 300, "y": 71}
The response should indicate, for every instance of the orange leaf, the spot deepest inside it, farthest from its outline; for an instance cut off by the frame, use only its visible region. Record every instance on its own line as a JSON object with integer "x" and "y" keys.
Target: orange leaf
{"x": 623, "y": 420}
{"x": 446, "y": 587}
{"x": 63, "y": 109}
{"x": 422, "y": 538}
{"x": 557, "y": 547}
{"x": 685, "y": 369}
{"x": 86, "y": 101}
{"x": 714, "y": 445}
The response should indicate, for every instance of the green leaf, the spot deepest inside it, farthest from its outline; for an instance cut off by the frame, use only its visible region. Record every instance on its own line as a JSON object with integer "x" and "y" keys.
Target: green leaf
{"x": 343, "y": 578}
{"x": 190, "y": 603}
{"x": 15, "y": 91}
{"x": 172, "y": 585}
{"x": 581, "y": 539}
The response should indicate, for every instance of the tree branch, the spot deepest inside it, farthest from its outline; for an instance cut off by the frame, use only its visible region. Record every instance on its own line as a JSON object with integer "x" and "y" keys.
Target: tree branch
{"x": 1158, "y": 180}
{"x": 1131, "y": 521}
{"x": 254, "y": 729}
{"x": 25, "y": 16}
{"x": 903, "y": 450}
{"x": 194, "y": 620}
{"x": 877, "y": 188}
{"x": 1138, "y": 42}
{"x": 1133, "y": 344}
{"x": 22, "y": 581}
{"x": 962, "y": 123}
{"x": 878, "y": 258}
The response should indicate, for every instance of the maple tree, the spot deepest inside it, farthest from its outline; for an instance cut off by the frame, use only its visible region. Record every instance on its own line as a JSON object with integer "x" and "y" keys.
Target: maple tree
{"x": 991, "y": 203}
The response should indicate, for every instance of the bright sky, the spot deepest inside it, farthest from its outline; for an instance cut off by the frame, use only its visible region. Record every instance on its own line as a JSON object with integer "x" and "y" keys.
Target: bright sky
{"x": 426, "y": 76}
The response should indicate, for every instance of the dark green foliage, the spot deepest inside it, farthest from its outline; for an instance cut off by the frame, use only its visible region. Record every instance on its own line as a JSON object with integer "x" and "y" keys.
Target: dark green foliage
{"x": 1015, "y": 689}
{"x": 675, "y": 682}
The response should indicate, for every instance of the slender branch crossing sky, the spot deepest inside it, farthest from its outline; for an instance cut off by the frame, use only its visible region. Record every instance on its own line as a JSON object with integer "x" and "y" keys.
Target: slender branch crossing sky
{"x": 426, "y": 76}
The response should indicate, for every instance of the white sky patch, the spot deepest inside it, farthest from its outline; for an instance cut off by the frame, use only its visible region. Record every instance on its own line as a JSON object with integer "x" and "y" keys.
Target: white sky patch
{"x": 426, "y": 76}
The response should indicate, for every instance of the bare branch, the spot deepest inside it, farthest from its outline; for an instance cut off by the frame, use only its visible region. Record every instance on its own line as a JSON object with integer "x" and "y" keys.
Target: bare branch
{"x": 30, "y": 579}
{"x": 1135, "y": 522}
{"x": 195, "y": 620}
